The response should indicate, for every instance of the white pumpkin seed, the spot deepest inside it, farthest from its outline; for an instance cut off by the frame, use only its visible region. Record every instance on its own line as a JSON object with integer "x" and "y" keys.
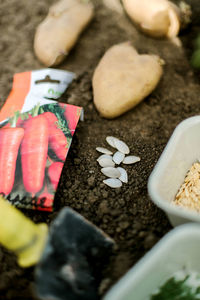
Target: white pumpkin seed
{"x": 104, "y": 156}
{"x": 111, "y": 172}
{"x": 124, "y": 176}
{"x": 103, "y": 150}
{"x": 106, "y": 162}
{"x": 118, "y": 157}
{"x": 113, "y": 182}
{"x": 131, "y": 159}
{"x": 111, "y": 141}
{"x": 121, "y": 146}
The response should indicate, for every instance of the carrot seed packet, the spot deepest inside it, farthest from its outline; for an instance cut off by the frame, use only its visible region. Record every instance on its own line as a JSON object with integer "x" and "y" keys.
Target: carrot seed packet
{"x": 35, "y": 136}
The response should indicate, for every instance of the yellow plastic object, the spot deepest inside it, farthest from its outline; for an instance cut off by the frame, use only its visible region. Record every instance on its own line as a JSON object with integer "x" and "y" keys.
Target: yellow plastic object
{"x": 20, "y": 235}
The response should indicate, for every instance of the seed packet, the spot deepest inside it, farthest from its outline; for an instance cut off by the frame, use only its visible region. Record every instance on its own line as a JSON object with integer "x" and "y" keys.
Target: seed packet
{"x": 35, "y": 136}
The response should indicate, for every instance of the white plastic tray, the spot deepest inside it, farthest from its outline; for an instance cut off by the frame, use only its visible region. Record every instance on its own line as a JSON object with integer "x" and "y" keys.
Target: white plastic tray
{"x": 179, "y": 249}
{"x": 181, "y": 151}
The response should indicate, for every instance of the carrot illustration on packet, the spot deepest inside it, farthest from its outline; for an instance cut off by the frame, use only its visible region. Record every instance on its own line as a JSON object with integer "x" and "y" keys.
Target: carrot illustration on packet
{"x": 34, "y": 150}
{"x": 57, "y": 139}
{"x": 10, "y": 140}
{"x": 36, "y": 131}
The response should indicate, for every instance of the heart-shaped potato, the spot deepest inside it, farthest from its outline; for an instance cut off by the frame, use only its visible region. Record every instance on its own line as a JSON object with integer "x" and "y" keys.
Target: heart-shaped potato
{"x": 123, "y": 78}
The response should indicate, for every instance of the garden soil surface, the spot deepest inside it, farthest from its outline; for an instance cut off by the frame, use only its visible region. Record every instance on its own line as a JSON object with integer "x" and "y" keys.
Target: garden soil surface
{"x": 126, "y": 214}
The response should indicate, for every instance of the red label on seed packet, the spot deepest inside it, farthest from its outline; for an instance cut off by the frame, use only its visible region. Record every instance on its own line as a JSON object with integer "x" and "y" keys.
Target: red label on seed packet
{"x": 35, "y": 136}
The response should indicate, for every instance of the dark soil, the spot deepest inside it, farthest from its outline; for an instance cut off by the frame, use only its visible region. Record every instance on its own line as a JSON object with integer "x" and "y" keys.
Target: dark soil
{"x": 126, "y": 214}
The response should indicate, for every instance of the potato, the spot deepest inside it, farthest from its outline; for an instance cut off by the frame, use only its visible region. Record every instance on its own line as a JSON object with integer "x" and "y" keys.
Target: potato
{"x": 59, "y": 31}
{"x": 123, "y": 78}
{"x": 158, "y": 18}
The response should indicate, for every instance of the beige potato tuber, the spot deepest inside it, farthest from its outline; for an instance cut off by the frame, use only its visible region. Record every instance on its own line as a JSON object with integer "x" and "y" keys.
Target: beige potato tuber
{"x": 123, "y": 78}
{"x": 59, "y": 31}
{"x": 158, "y": 18}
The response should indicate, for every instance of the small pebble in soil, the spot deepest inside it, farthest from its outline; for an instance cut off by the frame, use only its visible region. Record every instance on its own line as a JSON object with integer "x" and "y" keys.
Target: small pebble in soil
{"x": 103, "y": 208}
{"x": 77, "y": 161}
{"x": 124, "y": 224}
{"x": 91, "y": 181}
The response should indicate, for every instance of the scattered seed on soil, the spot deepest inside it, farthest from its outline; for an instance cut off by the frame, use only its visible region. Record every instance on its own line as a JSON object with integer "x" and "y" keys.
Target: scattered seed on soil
{"x": 124, "y": 176}
{"x": 131, "y": 159}
{"x": 118, "y": 157}
{"x": 104, "y": 156}
{"x": 113, "y": 182}
{"x": 111, "y": 141}
{"x": 103, "y": 150}
{"x": 106, "y": 162}
{"x": 121, "y": 146}
{"x": 111, "y": 172}
{"x": 188, "y": 195}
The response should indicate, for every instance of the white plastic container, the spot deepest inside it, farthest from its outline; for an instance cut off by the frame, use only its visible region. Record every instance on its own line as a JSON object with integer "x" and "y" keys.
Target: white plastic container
{"x": 179, "y": 249}
{"x": 181, "y": 151}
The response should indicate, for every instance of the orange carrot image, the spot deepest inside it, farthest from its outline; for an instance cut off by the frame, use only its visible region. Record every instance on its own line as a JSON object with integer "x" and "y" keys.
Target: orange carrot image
{"x": 57, "y": 139}
{"x": 54, "y": 173}
{"x": 10, "y": 140}
{"x": 34, "y": 153}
